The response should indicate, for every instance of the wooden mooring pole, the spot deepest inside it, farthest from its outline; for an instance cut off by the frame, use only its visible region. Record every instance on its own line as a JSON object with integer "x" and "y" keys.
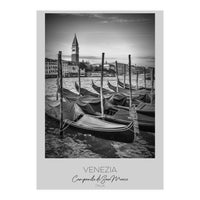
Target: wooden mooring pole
{"x": 61, "y": 91}
{"x": 79, "y": 78}
{"x": 137, "y": 75}
{"x": 152, "y": 78}
{"x": 124, "y": 75}
{"x": 57, "y": 90}
{"x": 145, "y": 83}
{"x": 152, "y": 84}
{"x": 57, "y": 83}
{"x": 101, "y": 89}
{"x": 117, "y": 75}
{"x": 130, "y": 88}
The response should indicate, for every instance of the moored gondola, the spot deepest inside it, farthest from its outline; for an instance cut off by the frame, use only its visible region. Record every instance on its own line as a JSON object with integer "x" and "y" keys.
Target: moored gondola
{"x": 139, "y": 96}
{"x": 70, "y": 95}
{"x": 114, "y": 113}
{"x": 127, "y": 86}
{"x": 146, "y": 108}
{"x": 75, "y": 118}
{"x": 117, "y": 96}
{"x": 97, "y": 89}
{"x": 85, "y": 92}
{"x": 113, "y": 97}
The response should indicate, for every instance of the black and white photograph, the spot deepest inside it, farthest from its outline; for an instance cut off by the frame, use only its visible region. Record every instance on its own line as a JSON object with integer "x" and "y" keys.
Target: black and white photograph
{"x": 100, "y": 85}
{"x": 94, "y": 100}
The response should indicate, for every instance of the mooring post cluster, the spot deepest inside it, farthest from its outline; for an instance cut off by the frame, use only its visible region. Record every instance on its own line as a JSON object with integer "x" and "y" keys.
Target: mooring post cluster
{"x": 136, "y": 71}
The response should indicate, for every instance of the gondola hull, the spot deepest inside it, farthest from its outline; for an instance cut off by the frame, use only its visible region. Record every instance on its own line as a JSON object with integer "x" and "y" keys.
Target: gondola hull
{"x": 88, "y": 124}
{"x": 137, "y": 97}
{"x": 91, "y": 105}
{"x": 146, "y": 109}
{"x": 85, "y": 92}
{"x": 97, "y": 89}
{"x": 127, "y": 86}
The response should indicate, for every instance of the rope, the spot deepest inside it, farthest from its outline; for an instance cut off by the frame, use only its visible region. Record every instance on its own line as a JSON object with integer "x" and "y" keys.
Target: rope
{"x": 135, "y": 122}
{"x": 65, "y": 126}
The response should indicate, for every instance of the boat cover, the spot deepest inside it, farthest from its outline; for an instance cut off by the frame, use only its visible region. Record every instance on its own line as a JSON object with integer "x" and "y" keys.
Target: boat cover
{"x": 96, "y": 123}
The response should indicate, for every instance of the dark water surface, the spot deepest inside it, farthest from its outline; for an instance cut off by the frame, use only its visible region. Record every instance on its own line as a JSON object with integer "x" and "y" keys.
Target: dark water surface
{"x": 78, "y": 145}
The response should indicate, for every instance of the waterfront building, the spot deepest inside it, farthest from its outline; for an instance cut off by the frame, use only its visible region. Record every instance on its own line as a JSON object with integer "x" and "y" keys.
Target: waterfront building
{"x": 51, "y": 68}
{"x": 70, "y": 69}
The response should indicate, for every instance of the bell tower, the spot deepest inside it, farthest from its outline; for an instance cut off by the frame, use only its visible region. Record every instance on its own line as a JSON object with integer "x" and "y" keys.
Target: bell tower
{"x": 75, "y": 50}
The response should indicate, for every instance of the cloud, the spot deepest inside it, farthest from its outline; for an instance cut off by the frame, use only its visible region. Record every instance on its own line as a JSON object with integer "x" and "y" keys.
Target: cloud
{"x": 146, "y": 57}
{"x": 116, "y": 18}
{"x": 104, "y": 22}
{"x": 121, "y": 18}
{"x": 112, "y": 17}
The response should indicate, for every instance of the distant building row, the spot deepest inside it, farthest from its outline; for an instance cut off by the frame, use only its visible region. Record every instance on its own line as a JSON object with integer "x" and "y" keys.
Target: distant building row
{"x": 70, "y": 69}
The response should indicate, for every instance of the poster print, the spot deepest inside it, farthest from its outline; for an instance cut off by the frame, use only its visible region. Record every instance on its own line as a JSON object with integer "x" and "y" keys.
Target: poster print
{"x": 100, "y": 72}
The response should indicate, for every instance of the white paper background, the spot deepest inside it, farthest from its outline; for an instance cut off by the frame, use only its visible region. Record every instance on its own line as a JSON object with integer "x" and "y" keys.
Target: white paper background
{"x": 181, "y": 98}
{"x": 141, "y": 173}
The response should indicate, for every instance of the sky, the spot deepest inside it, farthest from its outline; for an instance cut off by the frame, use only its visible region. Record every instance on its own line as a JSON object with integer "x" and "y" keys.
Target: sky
{"x": 117, "y": 35}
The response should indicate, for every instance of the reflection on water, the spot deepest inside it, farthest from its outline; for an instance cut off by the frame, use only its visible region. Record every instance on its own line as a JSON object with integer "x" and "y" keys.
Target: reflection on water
{"x": 78, "y": 145}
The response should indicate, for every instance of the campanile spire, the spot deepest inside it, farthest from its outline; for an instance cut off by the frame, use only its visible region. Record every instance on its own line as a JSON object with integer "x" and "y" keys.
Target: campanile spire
{"x": 75, "y": 50}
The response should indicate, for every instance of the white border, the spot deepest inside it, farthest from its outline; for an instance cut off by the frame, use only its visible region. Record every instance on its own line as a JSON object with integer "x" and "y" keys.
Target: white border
{"x": 57, "y": 173}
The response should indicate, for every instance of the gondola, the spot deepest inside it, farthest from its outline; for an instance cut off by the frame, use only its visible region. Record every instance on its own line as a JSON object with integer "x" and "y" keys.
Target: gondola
{"x": 127, "y": 86}
{"x": 92, "y": 105}
{"x": 140, "y": 90}
{"x": 117, "y": 95}
{"x": 85, "y": 92}
{"x": 97, "y": 89}
{"x": 146, "y": 108}
{"x": 76, "y": 119}
{"x": 113, "y": 98}
{"x": 70, "y": 95}
{"x": 119, "y": 98}
{"x": 120, "y": 90}
{"x": 113, "y": 113}
{"x": 142, "y": 96}
{"x": 112, "y": 87}
{"x": 115, "y": 108}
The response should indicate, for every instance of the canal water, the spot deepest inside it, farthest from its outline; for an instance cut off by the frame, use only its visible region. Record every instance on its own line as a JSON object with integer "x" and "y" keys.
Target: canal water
{"x": 78, "y": 145}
